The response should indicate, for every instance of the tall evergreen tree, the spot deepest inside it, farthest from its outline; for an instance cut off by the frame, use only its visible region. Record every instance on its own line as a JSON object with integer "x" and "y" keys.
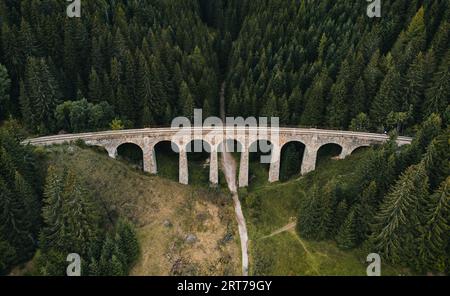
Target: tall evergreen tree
{"x": 40, "y": 96}
{"x": 396, "y": 229}
{"x": 434, "y": 239}
{"x": 346, "y": 237}
{"x": 5, "y": 84}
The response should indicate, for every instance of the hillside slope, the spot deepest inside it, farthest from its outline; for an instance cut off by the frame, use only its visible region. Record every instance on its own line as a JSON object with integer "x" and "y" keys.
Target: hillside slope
{"x": 277, "y": 249}
{"x": 181, "y": 230}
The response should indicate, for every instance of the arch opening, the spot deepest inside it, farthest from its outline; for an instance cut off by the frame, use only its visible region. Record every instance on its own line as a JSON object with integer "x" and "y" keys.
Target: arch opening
{"x": 167, "y": 160}
{"x": 234, "y": 147}
{"x": 231, "y": 146}
{"x": 260, "y": 153}
{"x": 291, "y": 160}
{"x": 360, "y": 150}
{"x": 328, "y": 152}
{"x": 199, "y": 156}
{"x": 131, "y": 153}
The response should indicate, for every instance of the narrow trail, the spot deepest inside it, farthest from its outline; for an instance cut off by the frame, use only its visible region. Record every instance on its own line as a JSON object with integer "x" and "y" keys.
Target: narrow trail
{"x": 312, "y": 261}
{"x": 281, "y": 230}
{"x": 229, "y": 169}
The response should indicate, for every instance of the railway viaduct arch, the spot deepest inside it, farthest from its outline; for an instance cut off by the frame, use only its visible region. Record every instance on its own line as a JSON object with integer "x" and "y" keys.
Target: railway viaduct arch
{"x": 147, "y": 139}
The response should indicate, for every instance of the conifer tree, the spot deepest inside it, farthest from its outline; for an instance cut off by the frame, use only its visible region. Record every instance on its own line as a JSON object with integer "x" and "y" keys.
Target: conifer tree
{"x": 70, "y": 216}
{"x": 5, "y": 84}
{"x": 346, "y": 237}
{"x": 186, "y": 101}
{"x": 341, "y": 213}
{"x": 313, "y": 113}
{"x": 396, "y": 223}
{"x": 434, "y": 239}
{"x": 437, "y": 94}
{"x": 436, "y": 160}
{"x": 127, "y": 243}
{"x": 40, "y": 95}
{"x": 144, "y": 92}
{"x": 95, "y": 87}
{"x": 386, "y": 99}
{"x": 337, "y": 111}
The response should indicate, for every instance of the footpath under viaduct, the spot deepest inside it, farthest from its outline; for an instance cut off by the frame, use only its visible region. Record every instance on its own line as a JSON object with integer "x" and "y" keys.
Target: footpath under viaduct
{"x": 147, "y": 139}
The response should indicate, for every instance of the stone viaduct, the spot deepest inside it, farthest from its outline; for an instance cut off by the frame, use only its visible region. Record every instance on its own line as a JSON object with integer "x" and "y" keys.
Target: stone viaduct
{"x": 147, "y": 139}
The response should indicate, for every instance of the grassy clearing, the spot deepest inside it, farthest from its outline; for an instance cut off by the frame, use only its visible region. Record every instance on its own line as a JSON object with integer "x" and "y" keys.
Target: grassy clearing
{"x": 269, "y": 207}
{"x": 167, "y": 166}
{"x": 165, "y": 214}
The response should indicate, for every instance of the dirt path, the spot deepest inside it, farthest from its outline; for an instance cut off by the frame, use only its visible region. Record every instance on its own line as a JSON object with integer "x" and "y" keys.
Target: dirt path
{"x": 310, "y": 258}
{"x": 280, "y": 230}
{"x": 229, "y": 169}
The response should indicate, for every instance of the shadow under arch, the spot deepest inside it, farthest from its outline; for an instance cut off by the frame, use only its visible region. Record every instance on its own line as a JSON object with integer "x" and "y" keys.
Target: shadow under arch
{"x": 167, "y": 157}
{"x": 328, "y": 152}
{"x": 359, "y": 150}
{"x": 199, "y": 156}
{"x": 260, "y": 152}
{"x": 291, "y": 159}
{"x": 131, "y": 153}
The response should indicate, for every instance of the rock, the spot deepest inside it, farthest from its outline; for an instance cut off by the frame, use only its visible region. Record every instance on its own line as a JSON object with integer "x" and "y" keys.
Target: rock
{"x": 191, "y": 238}
{"x": 228, "y": 237}
{"x": 167, "y": 224}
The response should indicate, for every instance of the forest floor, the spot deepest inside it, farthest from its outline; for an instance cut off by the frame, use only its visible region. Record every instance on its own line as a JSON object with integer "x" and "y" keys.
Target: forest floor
{"x": 182, "y": 230}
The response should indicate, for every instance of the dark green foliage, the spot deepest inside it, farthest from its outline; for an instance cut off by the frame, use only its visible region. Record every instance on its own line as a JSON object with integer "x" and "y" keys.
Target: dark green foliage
{"x": 19, "y": 199}
{"x": 132, "y": 55}
{"x": 75, "y": 223}
{"x": 346, "y": 238}
{"x": 343, "y": 62}
{"x": 119, "y": 252}
{"x": 71, "y": 217}
{"x": 434, "y": 240}
{"x": 315, "y": 220}
{"x": 365, "y": 213}
{"x": 291, "y": 160}
{"x": 81, "y": 116}
{"x": 311, "y": 63}
{"x": 5, "y": 84}
{"x": 398, "y": 200}
{"x": 436, "y": 160}
{"x": 127, "y": 243}
{"x": 39, "y": 96}
{"x": 437, "y": 94}
{"x": 309, "y": 216}
{"x": 397, "y": 220}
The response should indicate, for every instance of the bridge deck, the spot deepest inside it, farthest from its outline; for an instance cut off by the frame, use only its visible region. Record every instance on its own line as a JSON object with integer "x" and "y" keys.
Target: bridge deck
{"x": 155, "y": 131}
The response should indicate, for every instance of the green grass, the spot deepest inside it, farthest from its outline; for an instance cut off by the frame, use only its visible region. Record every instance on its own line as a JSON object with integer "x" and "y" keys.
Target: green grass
{"x": 268, "y": 207}
{"x": 288, "y": 254}
{"x": 167, "y": 166}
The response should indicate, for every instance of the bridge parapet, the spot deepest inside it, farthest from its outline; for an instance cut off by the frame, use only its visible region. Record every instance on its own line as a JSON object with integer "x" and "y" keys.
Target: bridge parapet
{"x": 147, "y": 139}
